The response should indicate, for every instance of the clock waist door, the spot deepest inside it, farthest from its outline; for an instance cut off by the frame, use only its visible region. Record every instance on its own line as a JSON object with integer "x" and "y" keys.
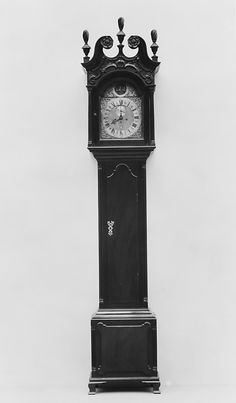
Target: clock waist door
{"x": 122, "y": 251}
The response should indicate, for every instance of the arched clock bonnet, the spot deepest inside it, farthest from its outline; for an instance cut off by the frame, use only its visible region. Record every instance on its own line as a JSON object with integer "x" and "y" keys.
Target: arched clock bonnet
{"x": 127, "y": 118}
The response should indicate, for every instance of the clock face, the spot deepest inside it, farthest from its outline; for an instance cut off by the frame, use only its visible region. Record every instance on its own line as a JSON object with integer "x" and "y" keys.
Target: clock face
{"x": 121, "y": 113}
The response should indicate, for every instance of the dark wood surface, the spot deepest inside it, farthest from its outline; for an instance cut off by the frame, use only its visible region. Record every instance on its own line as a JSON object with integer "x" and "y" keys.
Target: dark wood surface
{"x": 123, "y": 330}
{"x": 124, "y": 349}
{"x": 123, "y": 254}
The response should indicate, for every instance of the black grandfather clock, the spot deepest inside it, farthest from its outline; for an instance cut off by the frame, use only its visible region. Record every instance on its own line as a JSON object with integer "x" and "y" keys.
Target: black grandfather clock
{"x": 121, "y": 137}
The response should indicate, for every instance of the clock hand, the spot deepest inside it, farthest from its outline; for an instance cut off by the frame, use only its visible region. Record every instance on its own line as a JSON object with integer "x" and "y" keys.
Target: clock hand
{"x": 116, "y": 120}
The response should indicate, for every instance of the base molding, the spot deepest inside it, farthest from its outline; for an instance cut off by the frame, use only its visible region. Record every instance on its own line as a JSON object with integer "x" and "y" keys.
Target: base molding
{"x": 124, "y": 383}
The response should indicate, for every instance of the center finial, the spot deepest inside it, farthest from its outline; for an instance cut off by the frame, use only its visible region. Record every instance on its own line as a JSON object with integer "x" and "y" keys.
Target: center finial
{"x": 121, "y": 34}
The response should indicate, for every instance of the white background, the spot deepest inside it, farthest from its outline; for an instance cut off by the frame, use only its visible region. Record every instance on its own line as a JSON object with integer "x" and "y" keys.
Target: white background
{"x": 48, "y": 185}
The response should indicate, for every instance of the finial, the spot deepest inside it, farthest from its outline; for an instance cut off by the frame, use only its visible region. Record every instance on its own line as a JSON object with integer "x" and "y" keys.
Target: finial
{"x": 121, "y": 22}
{"x": 86, "y": 48}
{"x": 121, "y": 34}
{"x": 154, "y": 46}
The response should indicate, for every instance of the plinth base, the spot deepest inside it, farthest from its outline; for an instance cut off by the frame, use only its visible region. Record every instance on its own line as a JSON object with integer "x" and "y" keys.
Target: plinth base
{"x": 124, "y": 350}
{"x": 123, "y": 384}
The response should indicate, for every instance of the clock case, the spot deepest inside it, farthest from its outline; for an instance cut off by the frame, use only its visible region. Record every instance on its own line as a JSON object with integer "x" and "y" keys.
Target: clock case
{"x": 123, "y": 330}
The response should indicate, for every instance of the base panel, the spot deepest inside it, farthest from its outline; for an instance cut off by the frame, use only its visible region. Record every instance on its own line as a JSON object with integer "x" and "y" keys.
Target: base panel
{"x": 124, "y": 350}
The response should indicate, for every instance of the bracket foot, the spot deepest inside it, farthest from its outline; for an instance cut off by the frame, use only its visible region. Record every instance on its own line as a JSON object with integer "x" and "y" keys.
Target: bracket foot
{"x": 92, "y": 389}
{"x": 156, "y": 388}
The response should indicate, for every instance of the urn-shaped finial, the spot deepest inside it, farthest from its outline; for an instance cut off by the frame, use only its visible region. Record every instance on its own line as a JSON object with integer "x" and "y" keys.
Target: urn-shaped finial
{"x": 154, "y": 46}
{"x": 121, "y": 34}
{"x": 86, "y": 48}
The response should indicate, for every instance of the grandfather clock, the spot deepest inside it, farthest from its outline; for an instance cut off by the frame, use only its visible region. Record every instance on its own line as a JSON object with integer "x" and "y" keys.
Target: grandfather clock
{"x": 121, "y": 137}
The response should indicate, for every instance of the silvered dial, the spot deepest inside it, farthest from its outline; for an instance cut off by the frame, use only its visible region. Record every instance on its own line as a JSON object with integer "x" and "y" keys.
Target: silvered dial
{"x": 121, "y": 117}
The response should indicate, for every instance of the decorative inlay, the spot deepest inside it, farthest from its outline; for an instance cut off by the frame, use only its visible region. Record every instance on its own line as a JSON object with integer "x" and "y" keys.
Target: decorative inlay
{"x": 145, "y": 324}
{"x": 119, "y": 165}
{"x": 110, "y": 225}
